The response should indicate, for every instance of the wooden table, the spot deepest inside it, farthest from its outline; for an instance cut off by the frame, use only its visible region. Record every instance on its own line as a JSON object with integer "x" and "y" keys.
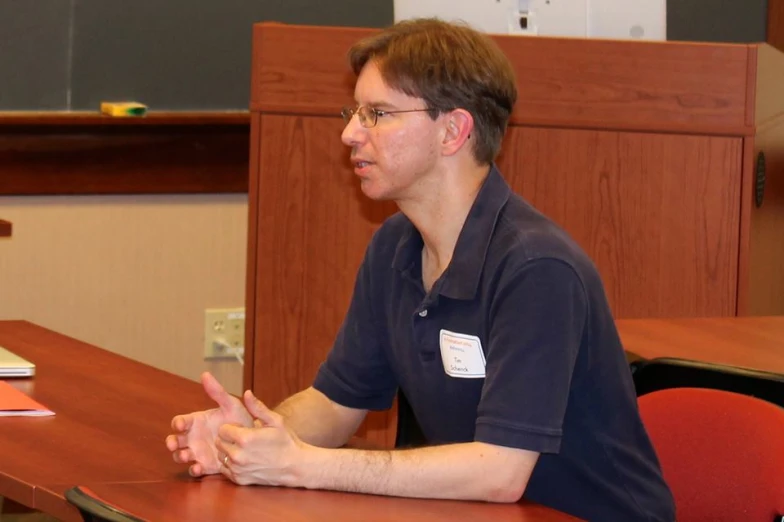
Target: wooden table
{"x": 112, "y": 415}
{"x": 214, "y": 498}
{"x": 750, "y": 342}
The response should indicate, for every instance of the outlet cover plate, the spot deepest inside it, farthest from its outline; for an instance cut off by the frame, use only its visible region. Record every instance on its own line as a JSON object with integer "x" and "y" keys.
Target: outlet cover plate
{"x": 223, "y": 326}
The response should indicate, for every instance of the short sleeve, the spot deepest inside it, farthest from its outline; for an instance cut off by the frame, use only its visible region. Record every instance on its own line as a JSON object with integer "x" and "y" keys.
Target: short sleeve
{"x": 538, "y": 319}
{"x": 356, "y": 372}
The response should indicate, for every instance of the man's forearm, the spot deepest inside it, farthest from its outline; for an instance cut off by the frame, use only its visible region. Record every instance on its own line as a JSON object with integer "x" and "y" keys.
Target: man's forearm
{"x": 470, "y": 471}
{"x": 318, "y": 421}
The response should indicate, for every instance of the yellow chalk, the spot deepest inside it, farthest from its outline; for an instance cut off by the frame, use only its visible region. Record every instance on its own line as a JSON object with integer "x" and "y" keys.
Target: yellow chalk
{"x": 123, "y": 109}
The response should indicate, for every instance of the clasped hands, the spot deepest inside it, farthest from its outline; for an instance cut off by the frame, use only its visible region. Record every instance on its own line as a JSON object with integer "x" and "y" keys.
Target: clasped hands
{"x": 253, "y": 440}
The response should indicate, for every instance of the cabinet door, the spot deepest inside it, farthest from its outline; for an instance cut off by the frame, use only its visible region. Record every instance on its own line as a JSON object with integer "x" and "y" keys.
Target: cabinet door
{"x": 313, "y": 225}
{"x": 658, "y": 213}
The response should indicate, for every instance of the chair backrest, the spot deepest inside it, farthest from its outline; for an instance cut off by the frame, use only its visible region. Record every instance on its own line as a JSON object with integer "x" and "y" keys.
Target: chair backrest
{"x": 95, "y": 509}
{"x": 662, "y": 373}
{"x": 722, "y": 453}
{"x": 635, "y": 360}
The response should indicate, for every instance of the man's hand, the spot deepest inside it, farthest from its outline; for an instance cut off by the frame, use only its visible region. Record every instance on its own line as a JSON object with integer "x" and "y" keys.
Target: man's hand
{"x": 195, "y": 433}
{"x": 267, "y": 454}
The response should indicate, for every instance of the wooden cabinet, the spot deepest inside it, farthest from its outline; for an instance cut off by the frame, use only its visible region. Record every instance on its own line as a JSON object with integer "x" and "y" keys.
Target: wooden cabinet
{"x": 658, "y": 213}
{"x": 645, "y": 152}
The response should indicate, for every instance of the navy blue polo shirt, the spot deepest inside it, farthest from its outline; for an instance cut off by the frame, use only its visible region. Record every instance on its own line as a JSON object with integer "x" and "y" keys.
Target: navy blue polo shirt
{"x": 556, "y": 380}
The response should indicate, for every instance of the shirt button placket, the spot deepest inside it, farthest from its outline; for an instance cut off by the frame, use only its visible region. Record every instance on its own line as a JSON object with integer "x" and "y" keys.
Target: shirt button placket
{"x": 421, "y": 331}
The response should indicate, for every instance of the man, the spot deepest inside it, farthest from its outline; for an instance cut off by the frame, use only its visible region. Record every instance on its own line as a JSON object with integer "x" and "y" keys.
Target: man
{"x": 486, "y": 315}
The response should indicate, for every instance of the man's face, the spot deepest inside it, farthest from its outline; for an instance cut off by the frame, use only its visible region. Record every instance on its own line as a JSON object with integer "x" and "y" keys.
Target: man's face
{"x": 394, "y": 158}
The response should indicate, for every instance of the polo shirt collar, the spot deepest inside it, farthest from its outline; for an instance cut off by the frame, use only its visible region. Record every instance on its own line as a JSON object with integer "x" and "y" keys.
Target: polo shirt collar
{"x": 461, "y": 278}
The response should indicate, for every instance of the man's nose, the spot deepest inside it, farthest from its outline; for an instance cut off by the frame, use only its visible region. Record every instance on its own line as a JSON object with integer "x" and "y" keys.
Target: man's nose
{"x": 353, "y": 133}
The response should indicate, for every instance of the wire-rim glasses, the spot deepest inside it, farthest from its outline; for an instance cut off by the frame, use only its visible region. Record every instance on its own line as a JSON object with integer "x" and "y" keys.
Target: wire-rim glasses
{"x": 368, "y": 116}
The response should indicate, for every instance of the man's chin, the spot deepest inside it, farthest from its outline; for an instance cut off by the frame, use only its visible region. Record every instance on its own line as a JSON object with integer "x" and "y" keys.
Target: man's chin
{"x": 373, "y": 192}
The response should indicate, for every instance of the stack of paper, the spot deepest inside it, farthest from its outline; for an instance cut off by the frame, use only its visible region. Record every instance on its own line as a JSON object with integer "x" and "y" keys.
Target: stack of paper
{"x": 14, "y": 403}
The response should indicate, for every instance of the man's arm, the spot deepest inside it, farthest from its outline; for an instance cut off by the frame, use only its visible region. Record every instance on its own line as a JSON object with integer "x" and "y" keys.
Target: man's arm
{"x": 318, "y": 421}
{"x": 467, "y": 471}
{"x": 271, "y": 453}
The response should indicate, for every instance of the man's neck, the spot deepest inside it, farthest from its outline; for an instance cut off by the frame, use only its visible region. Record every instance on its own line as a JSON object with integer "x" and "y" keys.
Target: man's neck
{"x": 440, "y": 213}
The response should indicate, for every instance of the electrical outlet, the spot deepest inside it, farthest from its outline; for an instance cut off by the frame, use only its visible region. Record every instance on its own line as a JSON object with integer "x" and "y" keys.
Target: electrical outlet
{"x": 223, "y": 328}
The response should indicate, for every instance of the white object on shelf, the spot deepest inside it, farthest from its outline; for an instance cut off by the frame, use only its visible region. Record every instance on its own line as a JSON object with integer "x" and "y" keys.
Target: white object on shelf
{"x": 617, "y": 19}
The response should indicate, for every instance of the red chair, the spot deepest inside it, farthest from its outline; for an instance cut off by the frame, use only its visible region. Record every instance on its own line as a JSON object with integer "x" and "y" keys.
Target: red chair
{"x": 722, "y": 453}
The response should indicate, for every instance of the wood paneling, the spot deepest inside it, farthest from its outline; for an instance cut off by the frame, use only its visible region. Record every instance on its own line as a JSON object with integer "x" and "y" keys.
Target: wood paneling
{"x": 662, "y": 224}
{"x": 313, "y": 227}
{"x": 251, "y": 254}
{"x": 743, "y": 306}
{"x": 631, "y": 85}
{"x": 90, "y": 154}
{"x": 641, "y": 150}
{"x": 658, "y": 213}
{"x": 5, "y": 228}
{"x": 776, "y": 23}
{"x": 688, "y": 87}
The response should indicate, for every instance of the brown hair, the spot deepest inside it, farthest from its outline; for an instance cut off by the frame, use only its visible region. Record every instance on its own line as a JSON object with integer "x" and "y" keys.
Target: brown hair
{"x": 449, "y": 66}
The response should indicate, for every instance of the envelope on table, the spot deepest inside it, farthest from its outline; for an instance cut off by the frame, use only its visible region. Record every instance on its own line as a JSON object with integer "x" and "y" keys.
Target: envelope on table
{"x": 14, "y": 403}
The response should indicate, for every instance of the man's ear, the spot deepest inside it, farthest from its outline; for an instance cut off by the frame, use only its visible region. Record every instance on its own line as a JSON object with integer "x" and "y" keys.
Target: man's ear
{"x": 459, "y": 125}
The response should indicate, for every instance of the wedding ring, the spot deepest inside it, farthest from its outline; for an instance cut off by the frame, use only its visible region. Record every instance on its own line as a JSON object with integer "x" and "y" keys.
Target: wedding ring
{"x": 226, "y": 460}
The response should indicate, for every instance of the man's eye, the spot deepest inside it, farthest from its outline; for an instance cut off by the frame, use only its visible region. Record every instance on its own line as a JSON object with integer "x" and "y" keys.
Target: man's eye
{"x": 379, "y": 113}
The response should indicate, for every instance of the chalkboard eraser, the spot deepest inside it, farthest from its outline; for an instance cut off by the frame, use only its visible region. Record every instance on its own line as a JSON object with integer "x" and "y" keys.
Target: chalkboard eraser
{"x": 123, "y": 109}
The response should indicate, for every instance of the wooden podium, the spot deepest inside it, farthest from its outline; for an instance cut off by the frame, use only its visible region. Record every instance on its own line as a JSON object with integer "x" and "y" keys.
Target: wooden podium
{"x": 646, "y": 152}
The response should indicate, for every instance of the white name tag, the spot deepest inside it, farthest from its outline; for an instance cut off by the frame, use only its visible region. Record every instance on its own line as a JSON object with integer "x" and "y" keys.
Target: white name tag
{"x": 462, "y": 355}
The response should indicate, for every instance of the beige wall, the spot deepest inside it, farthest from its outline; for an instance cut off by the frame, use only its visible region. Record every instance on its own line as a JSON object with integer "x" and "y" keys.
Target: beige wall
{"x": 131, "y": 274}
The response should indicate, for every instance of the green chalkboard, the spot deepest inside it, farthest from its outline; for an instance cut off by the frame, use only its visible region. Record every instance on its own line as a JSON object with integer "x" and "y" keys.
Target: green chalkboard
{"x": 169, "y": 54}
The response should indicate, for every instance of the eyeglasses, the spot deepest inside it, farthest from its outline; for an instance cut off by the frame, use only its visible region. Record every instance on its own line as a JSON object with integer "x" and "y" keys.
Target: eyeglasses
{"x": 368, "y": 116}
